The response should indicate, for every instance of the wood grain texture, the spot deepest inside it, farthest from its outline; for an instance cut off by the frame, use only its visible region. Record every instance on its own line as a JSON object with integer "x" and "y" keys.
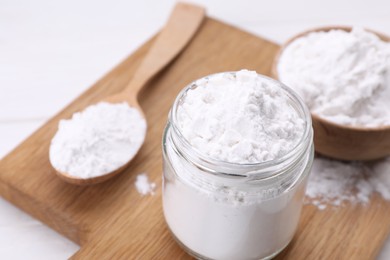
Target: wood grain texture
{"x": 112, "y": 221}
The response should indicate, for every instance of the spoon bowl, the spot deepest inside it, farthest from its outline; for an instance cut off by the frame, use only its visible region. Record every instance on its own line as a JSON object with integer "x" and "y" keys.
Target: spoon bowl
{"x": 180, "y": 28}
{"x": 342, "y": 141}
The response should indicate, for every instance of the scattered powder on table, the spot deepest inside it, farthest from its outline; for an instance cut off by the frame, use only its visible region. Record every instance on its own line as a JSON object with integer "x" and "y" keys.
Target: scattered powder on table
{"x": 98, "y": 140}
{"x": 143, "y": 185}
{"x": 240, "y": 118}
{"x": 342, "y": 76}
{"x": 336, "y": 183}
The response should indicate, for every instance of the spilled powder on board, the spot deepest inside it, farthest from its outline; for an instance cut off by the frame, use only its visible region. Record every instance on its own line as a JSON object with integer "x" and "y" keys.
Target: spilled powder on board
{"x": 143, "y": 185}
{"x": 335, "y": 183}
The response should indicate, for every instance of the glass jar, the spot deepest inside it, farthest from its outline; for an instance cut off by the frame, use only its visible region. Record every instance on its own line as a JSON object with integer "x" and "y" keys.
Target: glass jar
{"x": 221, "y": 210}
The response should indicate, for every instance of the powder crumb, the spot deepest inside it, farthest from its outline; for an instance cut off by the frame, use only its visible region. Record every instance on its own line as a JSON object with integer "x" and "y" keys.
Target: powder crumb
{"x": 321, "y": 206}
{"x": 337, "y": 183}
{"x": 143, "y": 185}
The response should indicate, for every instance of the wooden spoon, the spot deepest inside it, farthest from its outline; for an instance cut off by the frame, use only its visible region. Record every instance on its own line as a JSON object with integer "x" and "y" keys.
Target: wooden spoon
{"x": 180, "y": 28}
{"x": 341, "y": 141}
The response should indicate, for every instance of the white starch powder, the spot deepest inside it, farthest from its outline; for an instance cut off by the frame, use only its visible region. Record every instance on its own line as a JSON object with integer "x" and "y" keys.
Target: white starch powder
{"x": 239, "y": 118}
{"x": 231, "y": 229}
{"x": 143, "y": 186}
{"x": 98, "y": 140}
{"x": 342, "y": 76}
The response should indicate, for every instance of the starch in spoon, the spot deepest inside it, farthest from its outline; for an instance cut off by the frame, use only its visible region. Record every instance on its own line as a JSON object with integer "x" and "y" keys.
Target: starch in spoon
{"x": 93, "y": 151}
{"x": 98, "y": 140}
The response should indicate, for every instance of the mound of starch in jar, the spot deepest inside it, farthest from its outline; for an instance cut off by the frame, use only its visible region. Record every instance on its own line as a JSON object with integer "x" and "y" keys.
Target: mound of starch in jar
{"x": 342, "y": 76}
{"x": 98, "y": 140}
{"x": 239, "y": 118}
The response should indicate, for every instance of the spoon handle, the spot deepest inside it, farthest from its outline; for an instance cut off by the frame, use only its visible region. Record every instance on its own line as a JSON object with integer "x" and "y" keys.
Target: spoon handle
{"x": 184, "y": 21}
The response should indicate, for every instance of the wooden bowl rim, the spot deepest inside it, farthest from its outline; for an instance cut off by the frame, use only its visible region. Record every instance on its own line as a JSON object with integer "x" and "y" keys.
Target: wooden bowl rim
{"x": 314, "y": 116}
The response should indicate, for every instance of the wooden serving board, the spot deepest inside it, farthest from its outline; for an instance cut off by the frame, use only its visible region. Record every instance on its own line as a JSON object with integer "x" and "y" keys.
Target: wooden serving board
{"x": 112, "y": 221}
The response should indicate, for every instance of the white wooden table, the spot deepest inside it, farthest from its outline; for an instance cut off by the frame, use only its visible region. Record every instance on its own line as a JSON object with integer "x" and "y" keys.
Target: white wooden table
{"x": 51, "y": 51}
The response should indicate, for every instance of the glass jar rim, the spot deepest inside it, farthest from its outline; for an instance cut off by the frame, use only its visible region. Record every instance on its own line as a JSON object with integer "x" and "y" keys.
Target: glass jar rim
{"x": 243, "y": 169}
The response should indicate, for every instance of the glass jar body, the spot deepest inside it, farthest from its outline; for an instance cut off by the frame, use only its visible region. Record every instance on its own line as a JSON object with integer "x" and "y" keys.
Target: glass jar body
{"x": 216, "y": 217}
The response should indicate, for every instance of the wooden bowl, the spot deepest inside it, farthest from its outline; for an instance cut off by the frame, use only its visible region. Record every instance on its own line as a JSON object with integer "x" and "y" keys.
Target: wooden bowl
{"x": 341, "y": 141}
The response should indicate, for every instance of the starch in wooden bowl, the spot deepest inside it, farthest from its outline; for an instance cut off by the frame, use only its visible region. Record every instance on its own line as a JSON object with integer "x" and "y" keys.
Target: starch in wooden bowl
{"x": 343, "y": 75}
